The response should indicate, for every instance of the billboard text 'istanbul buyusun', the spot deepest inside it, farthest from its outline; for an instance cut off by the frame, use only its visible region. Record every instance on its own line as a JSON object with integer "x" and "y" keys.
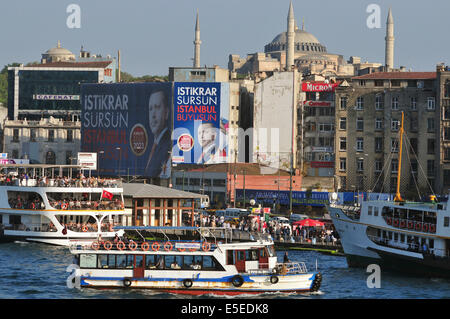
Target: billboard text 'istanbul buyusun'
{"x": 200, "y": 123}
{"x": 129, "y": 126}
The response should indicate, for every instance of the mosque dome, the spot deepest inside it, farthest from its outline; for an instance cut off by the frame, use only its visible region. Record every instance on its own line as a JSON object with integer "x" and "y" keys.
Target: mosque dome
{"x": 57, "y": 54}
{"x": 303, "y": 42}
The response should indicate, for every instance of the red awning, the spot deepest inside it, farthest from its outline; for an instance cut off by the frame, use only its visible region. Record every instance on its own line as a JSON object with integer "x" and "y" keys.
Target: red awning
{"x": 308, "y": 222}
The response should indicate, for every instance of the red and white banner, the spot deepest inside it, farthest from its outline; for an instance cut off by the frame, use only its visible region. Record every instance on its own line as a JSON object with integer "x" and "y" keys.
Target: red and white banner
{"x": 319, "y": 86}
{"x": 318, "y": 103}
{"x": 106, "y": 194}
{"x": 322, "y": 164}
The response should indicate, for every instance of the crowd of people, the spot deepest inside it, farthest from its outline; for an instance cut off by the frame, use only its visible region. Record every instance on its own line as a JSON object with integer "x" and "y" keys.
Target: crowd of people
{"x": 24, "y": 179}
{"x": 282, "y": 232}
{"x": 86, "y": 204}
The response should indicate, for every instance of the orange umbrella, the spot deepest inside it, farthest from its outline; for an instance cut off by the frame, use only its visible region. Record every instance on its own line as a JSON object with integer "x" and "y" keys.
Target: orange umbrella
{"x": 308, "y": 222}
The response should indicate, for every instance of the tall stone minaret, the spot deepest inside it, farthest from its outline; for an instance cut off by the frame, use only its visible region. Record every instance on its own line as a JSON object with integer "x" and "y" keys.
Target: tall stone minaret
{"x": 290, "y": 38}
{"x": 197, "y": 43}
{"x": 390, "y": 41}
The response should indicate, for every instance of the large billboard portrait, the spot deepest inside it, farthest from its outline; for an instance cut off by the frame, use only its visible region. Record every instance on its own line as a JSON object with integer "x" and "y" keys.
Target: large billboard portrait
{"x": 200, "y": 123}
{"x": 129, "y": 126}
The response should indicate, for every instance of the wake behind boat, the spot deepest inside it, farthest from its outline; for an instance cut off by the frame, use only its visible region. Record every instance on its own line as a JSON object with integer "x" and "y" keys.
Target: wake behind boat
{"x": 37, "y": 205}
{"x": 209, "y": 265}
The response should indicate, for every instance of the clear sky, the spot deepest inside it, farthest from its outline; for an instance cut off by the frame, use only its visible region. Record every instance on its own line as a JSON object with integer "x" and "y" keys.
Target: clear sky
{"x": 153, "y": 35}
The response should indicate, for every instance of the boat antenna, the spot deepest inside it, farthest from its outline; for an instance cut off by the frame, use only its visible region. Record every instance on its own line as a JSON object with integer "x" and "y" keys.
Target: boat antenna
{"x": 398, "y": 197}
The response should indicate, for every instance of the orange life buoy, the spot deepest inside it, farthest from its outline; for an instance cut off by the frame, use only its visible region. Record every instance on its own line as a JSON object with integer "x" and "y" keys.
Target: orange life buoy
{"x": 181, "y": 249}
{"x": 95, "y": 245}
{"x": 419, "y": 226}
{"x": 64, "y": 206}
{"x": 432, "y": 228}
{"x": 121, "y": 245}
{"x": 145, "y": 246}
{"x": 107, "y": 245}
{"x": 395, "y": 223}
{"x": 425, "y": 227}
{"x": 168, "y": 246}
{"x": 206, "y": 246}
{"x": 132, "y": 245}
{"x": 410, "y": 225}
{"x": 389, "y": 221}
{"x": 155, "y": 246}
{"x": 402, "y": 224}
{"x": 85, "y": 228}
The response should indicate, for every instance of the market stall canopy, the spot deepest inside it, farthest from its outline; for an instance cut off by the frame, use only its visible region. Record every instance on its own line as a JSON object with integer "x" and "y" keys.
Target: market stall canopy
{"x": 308, "y": 222}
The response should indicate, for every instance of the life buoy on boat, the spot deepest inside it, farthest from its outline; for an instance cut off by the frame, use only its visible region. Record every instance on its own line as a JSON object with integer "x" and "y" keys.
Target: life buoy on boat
{"x": 85, "y": 228}
{"x": 120, "y": 245}
{"x": 402, "y": 224}
{"x": 187, "y": 283}
{"x": 237, "y": 280}
{"x": 418, "y": 226}
{"x": 274, "y": 279}
{"x": 410, "y": 225}
{"x": 145, "y": 246}
{"x": 155, "y": 246}
{"x": 132, "y": 245}
{"x": 425, "y": 227}
{"x": 95, "y": 245}
{"x": 395, "y": 223}
{"x": 126, "y": 282}
{"x": 206, "y": 246}
{"x": 193, "y": 249}
{"x": 107, "y": 245}
{"x": 64, "y": 206}
{"x": 432, "y": 228}
{"x": 389, "y": 220}
{"x": 181, "y": 249}
{"x": 168, "y": 246}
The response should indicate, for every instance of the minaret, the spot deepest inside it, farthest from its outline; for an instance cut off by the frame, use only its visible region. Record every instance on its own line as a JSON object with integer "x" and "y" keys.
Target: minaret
{"x": 390, "y": 41}
{"x": 197, "y": 43}
{"x": 290, "y": 36}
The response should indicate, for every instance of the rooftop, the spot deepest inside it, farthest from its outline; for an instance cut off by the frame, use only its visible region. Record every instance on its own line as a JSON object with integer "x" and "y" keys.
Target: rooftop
{"x": 96, "y": 64}
{"x": 138, "y": 190}
{"x": 397, "y": 76}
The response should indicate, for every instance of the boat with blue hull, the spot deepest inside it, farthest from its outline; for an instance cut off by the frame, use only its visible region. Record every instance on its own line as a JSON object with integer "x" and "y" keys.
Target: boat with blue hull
{"x": 209, "y": 265}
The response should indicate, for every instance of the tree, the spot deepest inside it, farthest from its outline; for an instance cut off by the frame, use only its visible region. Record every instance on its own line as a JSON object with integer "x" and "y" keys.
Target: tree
{"x": 4, "y": 83}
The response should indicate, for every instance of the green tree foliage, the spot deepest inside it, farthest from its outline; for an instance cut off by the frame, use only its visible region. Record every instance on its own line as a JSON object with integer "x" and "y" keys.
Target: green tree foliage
{"x": 127, "y": 77}
{"x": 4, "y": 83}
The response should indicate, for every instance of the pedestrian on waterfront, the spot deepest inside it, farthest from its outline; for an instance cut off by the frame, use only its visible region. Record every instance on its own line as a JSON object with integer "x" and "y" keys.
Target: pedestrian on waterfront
{"x": 286, "y": 258}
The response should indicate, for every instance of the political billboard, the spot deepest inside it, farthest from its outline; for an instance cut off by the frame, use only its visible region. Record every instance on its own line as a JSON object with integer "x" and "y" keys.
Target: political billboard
{"x": 268, "y": 197}
{"x": 129, "y": 126}
{"x": 200, "y": 122}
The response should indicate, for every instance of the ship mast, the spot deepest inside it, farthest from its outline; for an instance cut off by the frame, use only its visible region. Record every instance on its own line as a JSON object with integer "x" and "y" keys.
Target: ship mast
{"x": 398, "y": 197}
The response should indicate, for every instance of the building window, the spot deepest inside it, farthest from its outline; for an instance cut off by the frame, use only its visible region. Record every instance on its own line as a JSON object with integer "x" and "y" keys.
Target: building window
{"x": 414, "y": 124}
{"x": 69, "y": 157}
{"x": 15, "y": 135}
{"x": 431, "y": 146}
{"x": 342, "y": 143}
{"x": 378, "y": 166}
{"x": 343, "y": 123}
{"x": 360, "y": 164}
{"x": 15, "y": 154}
{"x": 326, "y": 127}
{"x": 394, "y": 165}
{"x": 394, "y": 145}
{"x": 395, "y": 125}
{"x": 413, "y": 102}
{"x": 430, "y": 124}
{"x": 32, "y": 135}
{"x": 343, "y": 164}
{"x": 360, "y": 144}
{"x": 69, "y": 136}
{"x": 379, "y": 102}
{"x": 431, "y": 103}
{"x": 379, "y": 83}
{"x": 413, "y": 142}
{"x": 394, "y": 103}
{"x": 378, "y": 144}
{"x": 326, "y": 141}
{"x": 446, "y": 133}
{"x": 362, "y": 82}
{"x": 430, "y": 167}
{"x": 51, "y": 135}
{"x": 50, "y": 157}
{"x": 378, "y": 124}
{"x": 360, "y": 124}
{"x": 360, "y": 103}
{"x": 395, "y": 83}
{"x": 343, "y": 103}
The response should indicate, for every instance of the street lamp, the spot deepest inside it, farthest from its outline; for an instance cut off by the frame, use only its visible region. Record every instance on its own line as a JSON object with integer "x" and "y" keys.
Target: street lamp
{"x": 101, "y": 153}
{"x": 120, "y": 159}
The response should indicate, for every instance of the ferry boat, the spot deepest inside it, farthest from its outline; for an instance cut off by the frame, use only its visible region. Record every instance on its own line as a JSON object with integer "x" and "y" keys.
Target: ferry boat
{"x": 411, "y": 237}
{"x": 213, "y": 264}
{"x": 38, "y": 206}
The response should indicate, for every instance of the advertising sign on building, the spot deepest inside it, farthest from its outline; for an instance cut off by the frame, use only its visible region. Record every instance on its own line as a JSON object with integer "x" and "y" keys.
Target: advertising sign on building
{"x": 319, "y": 86}
{"x": 129, "y": 126}
{"x": 268, "y": 197}
{"x": 318, "y": 103}
{"x": 88, "y": 160}
{"x": 200, "y": 123}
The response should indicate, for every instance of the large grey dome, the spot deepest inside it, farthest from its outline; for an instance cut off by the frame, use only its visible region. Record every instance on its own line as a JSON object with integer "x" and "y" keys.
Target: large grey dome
{"x": 58, "y": 54}
{"x": 303, "y": 42}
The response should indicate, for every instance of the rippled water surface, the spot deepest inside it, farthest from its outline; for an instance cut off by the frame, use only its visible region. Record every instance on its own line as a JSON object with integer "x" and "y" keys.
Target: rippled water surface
{"x": 37, "y": 271}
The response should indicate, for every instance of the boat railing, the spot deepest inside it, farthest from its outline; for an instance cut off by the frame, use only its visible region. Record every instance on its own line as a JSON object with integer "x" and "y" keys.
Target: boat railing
{"x": 92, "y": 182}
{"x": 291, "y": 268}
{"x": 410, "y": 224}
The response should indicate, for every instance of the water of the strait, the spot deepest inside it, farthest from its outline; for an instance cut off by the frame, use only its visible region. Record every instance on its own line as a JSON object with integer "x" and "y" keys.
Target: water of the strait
{"x": 38, "y": 271}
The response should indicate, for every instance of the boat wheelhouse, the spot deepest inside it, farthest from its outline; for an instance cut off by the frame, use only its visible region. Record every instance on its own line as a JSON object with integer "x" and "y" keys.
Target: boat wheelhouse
{"x": 38, "y": 203}
{"x": 212, "y": 264}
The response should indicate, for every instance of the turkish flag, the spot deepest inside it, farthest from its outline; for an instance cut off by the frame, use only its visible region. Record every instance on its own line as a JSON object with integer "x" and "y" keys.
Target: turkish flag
{"x": 106, "y": 194}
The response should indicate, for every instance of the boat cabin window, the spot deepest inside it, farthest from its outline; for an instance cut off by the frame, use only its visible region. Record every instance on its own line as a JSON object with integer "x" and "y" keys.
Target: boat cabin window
{"x": 88, "y": 261}
{"x": 375, "y": 211}
{"x": 271, "y": 250}
{"x": 446, "y": 221}
{"x": 186, "y": 262}
{"x": 25, "y": 200}
{"x": 251, "y": 254}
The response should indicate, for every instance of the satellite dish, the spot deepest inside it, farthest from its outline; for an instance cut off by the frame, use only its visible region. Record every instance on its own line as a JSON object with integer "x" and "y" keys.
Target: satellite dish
{"x": 252, "y": 202}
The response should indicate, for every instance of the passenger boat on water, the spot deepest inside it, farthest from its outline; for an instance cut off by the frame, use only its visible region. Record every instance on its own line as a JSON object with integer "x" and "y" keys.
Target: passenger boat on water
{"x": 210, "y": 265}
{"x": 38, "y": 206}
{"x": 410, "y": 237}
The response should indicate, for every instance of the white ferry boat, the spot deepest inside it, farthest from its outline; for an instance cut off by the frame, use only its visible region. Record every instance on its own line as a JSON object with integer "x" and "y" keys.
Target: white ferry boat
{"x": 37, "y": 206}
{"x": 411, "y": 237}
{"x": 213, "y": 266}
